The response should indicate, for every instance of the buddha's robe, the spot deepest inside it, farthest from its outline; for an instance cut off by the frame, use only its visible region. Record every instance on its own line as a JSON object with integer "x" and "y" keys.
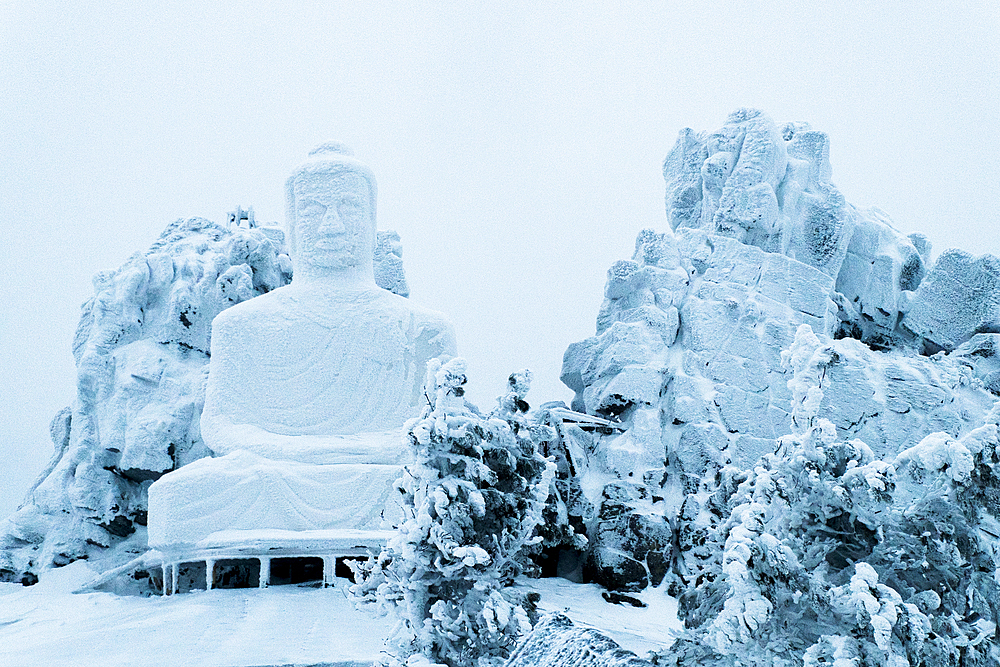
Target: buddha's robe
{"x": 307, "y": 393}
{"x": 299, "y": 373}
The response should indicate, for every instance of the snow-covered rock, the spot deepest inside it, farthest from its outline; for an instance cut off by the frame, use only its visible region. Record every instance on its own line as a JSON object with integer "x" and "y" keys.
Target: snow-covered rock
{"x": 687, "y": 353}
{"x": 141, "y": 350}
{"x": 556, "y": 642}
{"x": 823, "y": 545}
{"x": 142, "y": 354}
{"x": 877, "y": 279}
{"x": 959, "y": 298}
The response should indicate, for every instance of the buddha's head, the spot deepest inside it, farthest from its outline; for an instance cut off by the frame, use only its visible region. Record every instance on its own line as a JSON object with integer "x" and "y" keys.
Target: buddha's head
{"x": 331, "y": 214}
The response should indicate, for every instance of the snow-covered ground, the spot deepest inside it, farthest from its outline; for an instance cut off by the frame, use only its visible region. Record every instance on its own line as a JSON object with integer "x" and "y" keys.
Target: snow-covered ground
{"x": 47, "y": 624}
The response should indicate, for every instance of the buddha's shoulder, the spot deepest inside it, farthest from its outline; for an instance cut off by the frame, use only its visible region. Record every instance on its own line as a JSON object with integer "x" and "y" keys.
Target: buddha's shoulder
{"x": 263, "y": 308}
{"x": 408, "y": 309}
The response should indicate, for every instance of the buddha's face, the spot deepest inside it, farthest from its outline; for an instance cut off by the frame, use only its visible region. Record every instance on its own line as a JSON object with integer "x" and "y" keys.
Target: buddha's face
{"x": 333, "y": 220}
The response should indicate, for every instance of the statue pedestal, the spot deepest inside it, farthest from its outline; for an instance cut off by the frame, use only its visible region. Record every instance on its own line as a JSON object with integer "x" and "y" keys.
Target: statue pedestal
{"x": 244, "y": 507}
{"x": 243, "y": 491}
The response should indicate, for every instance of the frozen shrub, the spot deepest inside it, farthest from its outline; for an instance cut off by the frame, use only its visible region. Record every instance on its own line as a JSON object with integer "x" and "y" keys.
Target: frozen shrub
{"x": 828, "y": 556}
{"x": 474, "y": 497}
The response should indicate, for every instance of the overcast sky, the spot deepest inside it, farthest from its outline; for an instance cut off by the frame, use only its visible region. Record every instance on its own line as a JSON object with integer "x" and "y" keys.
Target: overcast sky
{"x": 518, "y": 148}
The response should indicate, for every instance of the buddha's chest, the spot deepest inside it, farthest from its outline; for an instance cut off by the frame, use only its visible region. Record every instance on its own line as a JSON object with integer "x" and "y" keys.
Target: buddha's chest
{"x": 335, "y": 342}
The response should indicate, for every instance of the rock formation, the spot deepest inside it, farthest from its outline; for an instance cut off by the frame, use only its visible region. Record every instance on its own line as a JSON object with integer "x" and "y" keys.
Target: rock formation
{"x": 687, "y": 354}
{"x": 141, "y": 350}
{"x": 555, "y": 642}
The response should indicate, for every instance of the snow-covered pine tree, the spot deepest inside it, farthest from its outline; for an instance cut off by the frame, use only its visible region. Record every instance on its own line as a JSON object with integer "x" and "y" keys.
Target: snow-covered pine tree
{"x": 827, "y": 556}
{"x": 473, "y": 497}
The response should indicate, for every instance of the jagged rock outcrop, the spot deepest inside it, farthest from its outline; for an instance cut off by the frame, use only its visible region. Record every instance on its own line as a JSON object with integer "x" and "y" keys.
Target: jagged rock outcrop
{"x": 687, "y": 353}
{"x": 959, "y": 298}
{"x": 141, "y": 351}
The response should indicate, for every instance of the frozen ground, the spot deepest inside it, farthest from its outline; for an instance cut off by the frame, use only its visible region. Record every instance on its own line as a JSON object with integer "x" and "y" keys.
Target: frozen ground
{"x": 46, "y": 624}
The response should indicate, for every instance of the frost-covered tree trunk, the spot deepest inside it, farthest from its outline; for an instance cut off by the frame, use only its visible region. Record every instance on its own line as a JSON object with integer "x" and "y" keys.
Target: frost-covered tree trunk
{"x": 475, "y": 496}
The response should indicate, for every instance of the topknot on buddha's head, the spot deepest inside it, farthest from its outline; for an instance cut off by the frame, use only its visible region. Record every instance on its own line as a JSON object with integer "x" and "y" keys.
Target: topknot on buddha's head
{"x": 330, "y": 166}
{"x": 332, "y": 148}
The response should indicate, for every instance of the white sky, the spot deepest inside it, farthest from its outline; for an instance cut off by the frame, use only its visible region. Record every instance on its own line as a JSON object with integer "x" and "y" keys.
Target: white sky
{"x": 517, "y": 147}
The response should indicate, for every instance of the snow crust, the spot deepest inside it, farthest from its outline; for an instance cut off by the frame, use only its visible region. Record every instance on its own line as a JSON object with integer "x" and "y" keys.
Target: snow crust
{"x": 637, "y": 629}
{"x": 47, "y": 624}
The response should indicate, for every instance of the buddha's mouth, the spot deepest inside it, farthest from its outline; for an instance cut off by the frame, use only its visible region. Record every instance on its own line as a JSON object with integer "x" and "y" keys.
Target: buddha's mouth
{"x": 339, "y": 243}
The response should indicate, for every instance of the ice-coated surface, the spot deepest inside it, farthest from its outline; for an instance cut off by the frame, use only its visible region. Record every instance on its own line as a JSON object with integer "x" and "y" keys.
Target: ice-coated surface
{"x": 687, "y": 352}
{"x": 141, "y": 350}
{"x": 242, "y": 491}
{"x": 555, "y": 642}
{"x": 687, "y": 358}
{"x": 389, "y": 272}
{"x": 959, "y": 298}
{"x": 877, "y": 279}
{"x": 309, "y": 385}
{"x": 332, "y": 353}
{"x": 316, "y": 361}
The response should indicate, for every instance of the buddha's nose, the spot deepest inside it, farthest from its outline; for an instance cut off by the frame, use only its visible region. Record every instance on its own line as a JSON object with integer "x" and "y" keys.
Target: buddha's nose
{"x": 332, "y": 223}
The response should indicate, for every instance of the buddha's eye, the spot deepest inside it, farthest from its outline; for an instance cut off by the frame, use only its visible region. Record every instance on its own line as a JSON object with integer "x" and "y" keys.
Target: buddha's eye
{"x": 350, "y": 208}
{"x": 311, "y": 208}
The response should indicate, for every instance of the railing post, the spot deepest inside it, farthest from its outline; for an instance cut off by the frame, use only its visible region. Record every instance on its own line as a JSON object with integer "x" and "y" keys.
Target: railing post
{"x": 209, "y": 573}
{"x": 265, "y": 572}
{"x": 329, "y": 570}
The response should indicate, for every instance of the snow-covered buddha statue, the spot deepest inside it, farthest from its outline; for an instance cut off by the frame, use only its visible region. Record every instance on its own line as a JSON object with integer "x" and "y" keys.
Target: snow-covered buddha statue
{"x": 331, "y": 354}
{"x": 308, "y": 385}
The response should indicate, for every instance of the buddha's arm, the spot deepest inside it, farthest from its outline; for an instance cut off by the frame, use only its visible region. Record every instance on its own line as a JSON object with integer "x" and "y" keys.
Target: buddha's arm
{"x": 386, "y": 447}
{"x": 443, "y": 342}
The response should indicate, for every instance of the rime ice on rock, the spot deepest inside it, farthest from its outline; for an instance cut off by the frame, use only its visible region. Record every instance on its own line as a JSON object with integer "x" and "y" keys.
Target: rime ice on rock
{"x": 141, "y": 351}
{"x": 876, "y": 281}
{"x": 308, "y": 388}
{"x": 555, "y": 642}
{"x": 687, "y": 349}
{"x": 389, "y": 273}
{"x": 960, "y": 297}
